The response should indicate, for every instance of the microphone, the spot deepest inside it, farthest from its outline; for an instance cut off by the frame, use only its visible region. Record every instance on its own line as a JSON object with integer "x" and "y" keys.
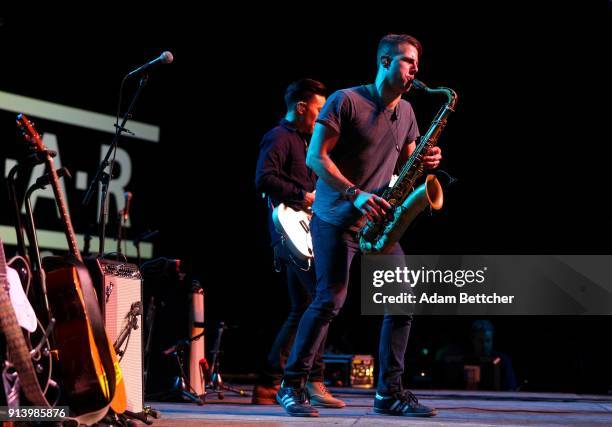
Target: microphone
{"x": 394, "y": 115}
{"x": 165, "y": 58}
{"x": 126, "y": 207}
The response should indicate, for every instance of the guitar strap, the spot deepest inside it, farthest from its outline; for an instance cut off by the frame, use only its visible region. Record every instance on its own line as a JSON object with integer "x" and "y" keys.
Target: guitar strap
{"x": 270, "y": 204}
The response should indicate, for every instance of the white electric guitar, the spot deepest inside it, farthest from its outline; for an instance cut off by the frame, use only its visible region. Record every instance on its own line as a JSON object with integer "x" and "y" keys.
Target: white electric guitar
{"x": 294, "y": 227}
{"x": 26, "y": 317}
{"x": 16, "y": 312}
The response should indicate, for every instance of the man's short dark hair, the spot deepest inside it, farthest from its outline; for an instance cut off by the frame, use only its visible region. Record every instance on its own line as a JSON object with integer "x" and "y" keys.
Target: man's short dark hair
{"x": 388, "y": 45}
{"x": 303, "y": 90}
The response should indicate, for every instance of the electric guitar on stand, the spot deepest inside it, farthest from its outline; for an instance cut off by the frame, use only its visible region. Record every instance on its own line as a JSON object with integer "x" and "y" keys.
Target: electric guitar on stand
{"x": 17, "y": 313}
{"x": 88, "y": 365}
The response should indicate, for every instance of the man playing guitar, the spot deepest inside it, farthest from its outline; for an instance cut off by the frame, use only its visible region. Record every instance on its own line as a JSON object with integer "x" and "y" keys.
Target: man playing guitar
{"x": 283, "y": 176}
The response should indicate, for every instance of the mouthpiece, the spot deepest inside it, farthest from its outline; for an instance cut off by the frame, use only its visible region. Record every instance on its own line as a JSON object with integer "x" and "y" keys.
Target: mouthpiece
{"x": 419, "y": 84}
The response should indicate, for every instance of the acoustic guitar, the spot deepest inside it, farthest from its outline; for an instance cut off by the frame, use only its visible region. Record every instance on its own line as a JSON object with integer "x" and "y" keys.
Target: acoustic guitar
{"x": 89, "y": 369}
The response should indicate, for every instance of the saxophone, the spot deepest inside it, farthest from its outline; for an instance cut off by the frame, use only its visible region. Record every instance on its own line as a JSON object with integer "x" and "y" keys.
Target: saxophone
{"x": 406, "y": 201}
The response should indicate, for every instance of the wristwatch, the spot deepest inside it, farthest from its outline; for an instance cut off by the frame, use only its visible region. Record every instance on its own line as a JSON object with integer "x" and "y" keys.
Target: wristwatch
{"x": 351, "y": 192}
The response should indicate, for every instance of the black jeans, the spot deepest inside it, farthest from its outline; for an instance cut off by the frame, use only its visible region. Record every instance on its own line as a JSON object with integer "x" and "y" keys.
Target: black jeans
{"x": 334, "y": 249}
{"x": 301, "y": 286}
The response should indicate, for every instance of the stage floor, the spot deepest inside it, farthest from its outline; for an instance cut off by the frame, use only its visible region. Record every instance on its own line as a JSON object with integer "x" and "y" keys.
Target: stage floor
{"x": 455, "y": 408}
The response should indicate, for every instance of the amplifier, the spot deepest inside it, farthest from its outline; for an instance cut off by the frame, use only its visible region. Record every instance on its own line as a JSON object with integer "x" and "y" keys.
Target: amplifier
{"x": 119, "y": 289}
{"x": 349, "y": 370}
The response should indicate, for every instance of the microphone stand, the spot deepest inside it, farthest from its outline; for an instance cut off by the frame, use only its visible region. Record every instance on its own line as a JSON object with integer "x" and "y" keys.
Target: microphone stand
{"x": 181, "y": 383}
{"x": 215, "y": 382}
{"x": 101, "y": 175}
{"x": 120, "y": 234}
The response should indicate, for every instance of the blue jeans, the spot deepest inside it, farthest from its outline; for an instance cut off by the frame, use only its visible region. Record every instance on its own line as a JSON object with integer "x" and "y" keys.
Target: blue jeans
{"x": 334, "y": 249}
{"x": 301, "y": 286}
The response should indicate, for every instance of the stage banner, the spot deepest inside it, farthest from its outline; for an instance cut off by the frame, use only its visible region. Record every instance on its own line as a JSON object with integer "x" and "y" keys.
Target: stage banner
{"x": 81, "y": 139}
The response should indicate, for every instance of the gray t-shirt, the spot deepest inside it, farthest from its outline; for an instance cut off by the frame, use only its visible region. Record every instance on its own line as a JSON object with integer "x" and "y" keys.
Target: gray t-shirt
{"x": 371, "y": 138}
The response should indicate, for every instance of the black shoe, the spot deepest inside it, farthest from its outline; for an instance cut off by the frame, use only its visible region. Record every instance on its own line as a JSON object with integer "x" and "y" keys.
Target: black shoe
{"x": 402, "y": 403}
{"x": 295, "y": 402}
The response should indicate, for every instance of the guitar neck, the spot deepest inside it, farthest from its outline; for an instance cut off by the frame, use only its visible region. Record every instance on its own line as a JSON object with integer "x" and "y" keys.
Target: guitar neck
{"x": 73, "y": 247}
{"x": 3, "y": 273}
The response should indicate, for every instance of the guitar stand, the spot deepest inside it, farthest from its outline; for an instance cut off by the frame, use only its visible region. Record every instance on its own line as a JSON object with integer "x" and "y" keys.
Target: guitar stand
{"x": 135, "y": 311}
{"x": 126, "y": 419}
{"x": 143, "y": 416}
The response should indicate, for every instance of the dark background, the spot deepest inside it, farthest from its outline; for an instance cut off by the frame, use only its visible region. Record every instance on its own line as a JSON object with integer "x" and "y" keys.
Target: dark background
{"x": 528, "y": 143}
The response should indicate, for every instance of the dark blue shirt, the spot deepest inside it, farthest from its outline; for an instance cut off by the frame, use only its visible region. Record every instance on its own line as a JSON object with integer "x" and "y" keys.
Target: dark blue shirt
{"x": 281, "y": 172}
{"x": 371, "y": 138}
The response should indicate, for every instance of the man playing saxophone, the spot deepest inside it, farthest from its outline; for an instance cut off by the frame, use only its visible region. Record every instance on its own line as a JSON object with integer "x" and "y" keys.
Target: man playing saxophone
{"x": 359, "y": 137}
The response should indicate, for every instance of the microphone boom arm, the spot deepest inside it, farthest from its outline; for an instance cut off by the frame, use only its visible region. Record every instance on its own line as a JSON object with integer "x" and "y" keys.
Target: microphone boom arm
{"x": 105, "y": 163}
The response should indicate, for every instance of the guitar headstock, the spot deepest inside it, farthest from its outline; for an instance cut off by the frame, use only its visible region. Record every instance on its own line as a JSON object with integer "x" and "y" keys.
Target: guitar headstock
{"x": 29, "y": 132}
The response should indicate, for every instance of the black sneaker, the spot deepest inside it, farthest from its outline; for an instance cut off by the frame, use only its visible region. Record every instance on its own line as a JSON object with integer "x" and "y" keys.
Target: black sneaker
{"x": 295, "y": 402}
{"x": 402, "y": 403}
